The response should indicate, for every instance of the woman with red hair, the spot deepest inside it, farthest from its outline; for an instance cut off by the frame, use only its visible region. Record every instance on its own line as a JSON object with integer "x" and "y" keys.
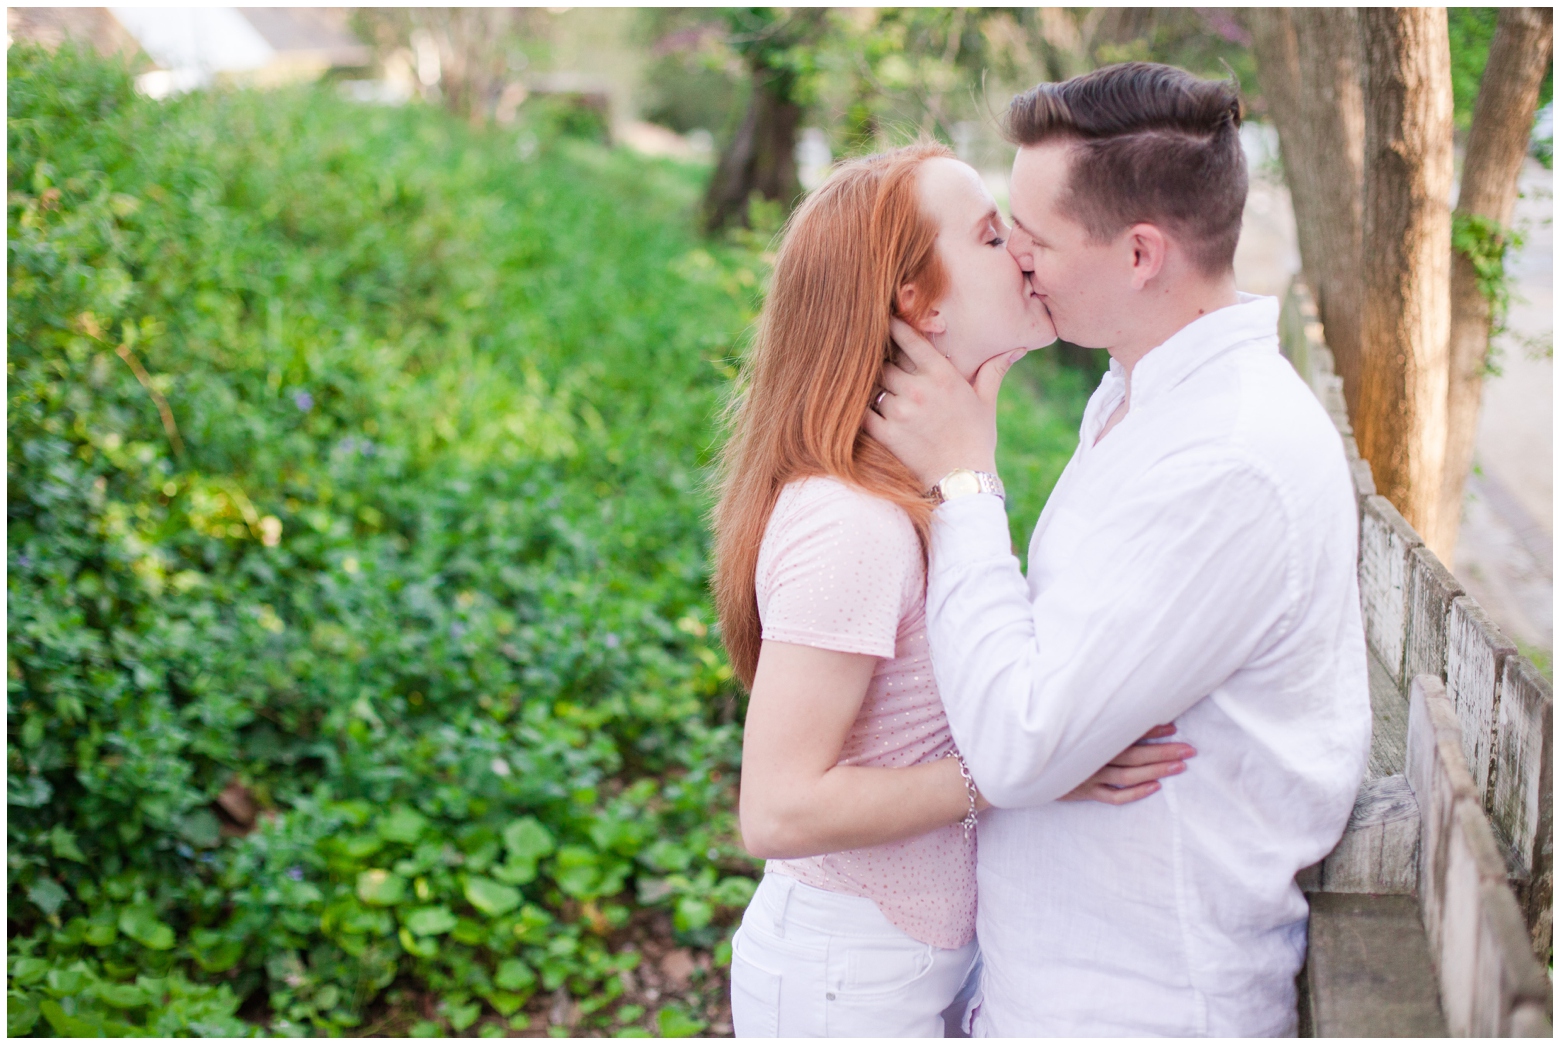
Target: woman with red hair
{"x": 852, "y": 787}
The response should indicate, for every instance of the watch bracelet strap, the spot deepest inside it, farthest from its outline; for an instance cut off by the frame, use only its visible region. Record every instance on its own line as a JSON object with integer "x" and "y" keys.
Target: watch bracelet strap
{"x": 988, "y": 482}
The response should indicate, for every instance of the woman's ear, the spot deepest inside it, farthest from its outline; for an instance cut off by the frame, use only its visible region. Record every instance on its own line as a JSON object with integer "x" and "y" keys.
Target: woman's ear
{"x": 906, "y": 302}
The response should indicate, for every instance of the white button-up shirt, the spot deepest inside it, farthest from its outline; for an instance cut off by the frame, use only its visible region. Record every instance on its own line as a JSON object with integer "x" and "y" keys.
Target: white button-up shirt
{"x": 1196, "y": 566}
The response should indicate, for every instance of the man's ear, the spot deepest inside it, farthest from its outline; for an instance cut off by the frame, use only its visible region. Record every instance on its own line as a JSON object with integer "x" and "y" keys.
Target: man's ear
{"x": 906, "y": 301}
{"x": 1149, "y": 249}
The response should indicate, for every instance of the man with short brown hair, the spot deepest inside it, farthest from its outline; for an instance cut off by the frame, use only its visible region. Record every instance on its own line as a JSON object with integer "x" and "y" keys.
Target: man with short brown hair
{"x": 1195, "y": 563}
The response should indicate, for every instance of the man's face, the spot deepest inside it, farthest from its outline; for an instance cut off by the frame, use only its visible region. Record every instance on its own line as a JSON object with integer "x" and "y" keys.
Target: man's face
{"x": 1083, "y": 284}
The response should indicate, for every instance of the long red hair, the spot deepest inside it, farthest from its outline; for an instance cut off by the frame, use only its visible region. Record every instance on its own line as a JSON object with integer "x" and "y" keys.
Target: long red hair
{"x": 821, "y": 343}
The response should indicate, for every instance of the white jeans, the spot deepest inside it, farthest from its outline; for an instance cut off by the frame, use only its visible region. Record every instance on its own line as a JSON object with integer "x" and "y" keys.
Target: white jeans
{"x": 808, "y": 963}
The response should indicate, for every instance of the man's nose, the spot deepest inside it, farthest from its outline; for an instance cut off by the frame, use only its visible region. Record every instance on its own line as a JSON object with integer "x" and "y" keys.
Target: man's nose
{"x": 1022, "y": 247}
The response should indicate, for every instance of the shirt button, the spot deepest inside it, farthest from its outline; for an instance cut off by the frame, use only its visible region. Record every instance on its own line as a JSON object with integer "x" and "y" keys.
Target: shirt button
{"x": 830, "y": 995}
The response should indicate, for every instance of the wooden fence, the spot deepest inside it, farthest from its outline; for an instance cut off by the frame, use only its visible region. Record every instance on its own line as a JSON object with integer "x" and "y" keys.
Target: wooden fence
{"x": 1456, "y": 807}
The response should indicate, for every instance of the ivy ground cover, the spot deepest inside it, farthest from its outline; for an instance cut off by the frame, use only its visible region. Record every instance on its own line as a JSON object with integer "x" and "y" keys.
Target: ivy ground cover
{"x": 362, "y": 675}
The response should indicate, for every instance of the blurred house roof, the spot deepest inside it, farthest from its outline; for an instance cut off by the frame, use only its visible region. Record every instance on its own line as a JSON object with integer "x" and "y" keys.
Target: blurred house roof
{"x": 191, "y": 46}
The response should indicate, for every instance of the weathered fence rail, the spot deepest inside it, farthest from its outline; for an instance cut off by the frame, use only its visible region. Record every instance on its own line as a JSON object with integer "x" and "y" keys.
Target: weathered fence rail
{"x": 1456, "y": 809}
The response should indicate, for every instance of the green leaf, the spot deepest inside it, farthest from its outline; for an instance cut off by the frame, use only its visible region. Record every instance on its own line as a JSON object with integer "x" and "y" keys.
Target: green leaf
{"x": 430, "y": 921}
{"x": 426, "y": 1029}
{"x": 505, "y": 1003}
{"x": 418, "y": 946}
{"x": 380, "y": 887}
{"x": 577, "y": 872}
{"x": 123, "y": 995}
{"x": 514, "y": 975}
{"x": 734, "y": 891}
{"x": 63, "y": 841}
{"x": 142, "y": 925}
{"x": 527, "y": 840}
{"x": 25, "y": 972}
{"x": 666, "y": 855}
{"x": 692, "y": 913}
{"x": 404, "y": 824}
{"x": 21, "y": 1014}
{"x": 101, "y": 934}
{"x": 491, "y": 898}
{"x": 514, "y": 872}
{"x": 462, "y": 1016}
{"x": 30, "y": 792}
{"x": 48, "y": 895}
{"x": 676, "y": 1022}
{"x": 201, "y": 829}
{"x": 215, "y": 952}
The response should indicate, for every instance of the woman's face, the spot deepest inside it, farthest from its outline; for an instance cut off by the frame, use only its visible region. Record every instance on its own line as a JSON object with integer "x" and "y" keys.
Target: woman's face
{"x": 987, "y": 309}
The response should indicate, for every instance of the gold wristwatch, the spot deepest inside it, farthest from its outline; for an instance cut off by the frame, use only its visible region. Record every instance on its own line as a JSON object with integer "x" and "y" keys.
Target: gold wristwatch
{"x": 962, "y": 481}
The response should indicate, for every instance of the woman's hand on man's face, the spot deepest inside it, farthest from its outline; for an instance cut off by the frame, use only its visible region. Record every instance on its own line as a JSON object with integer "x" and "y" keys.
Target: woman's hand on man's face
{"x": 1136, "y": 772}
{"x": 929, "y": 416}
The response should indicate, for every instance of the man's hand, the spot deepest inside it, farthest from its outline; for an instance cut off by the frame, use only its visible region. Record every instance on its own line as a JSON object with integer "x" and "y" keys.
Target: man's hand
{"x": 930, "y": 417}
{"x": 1134, "y": 773}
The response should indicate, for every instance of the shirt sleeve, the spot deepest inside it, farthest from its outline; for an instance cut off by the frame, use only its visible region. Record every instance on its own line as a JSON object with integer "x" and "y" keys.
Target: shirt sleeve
{"x": 842, "y": 565}
{"x": 1167, "y": 597}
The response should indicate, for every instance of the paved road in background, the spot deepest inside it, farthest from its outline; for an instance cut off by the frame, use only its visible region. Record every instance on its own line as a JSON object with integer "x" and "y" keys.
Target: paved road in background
{"x": 1505, "y": 551}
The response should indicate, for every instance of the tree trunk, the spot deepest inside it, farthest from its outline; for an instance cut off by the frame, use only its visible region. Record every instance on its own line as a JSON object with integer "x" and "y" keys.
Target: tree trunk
{"x": 1309, "y": 65}
{"x": 761, "y": 157}
{"x": 1400, "y": 420}
{"x": 1497, "y": 144}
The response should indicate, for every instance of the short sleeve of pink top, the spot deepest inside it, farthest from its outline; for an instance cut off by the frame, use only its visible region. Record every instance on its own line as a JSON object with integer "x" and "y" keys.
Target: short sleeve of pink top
{"x": 842, "y": 570}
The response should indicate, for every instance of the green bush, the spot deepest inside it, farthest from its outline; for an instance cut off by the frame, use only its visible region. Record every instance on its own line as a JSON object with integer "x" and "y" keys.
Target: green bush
{"x": 356, "y": 468}
{"x": 417, "y": 557}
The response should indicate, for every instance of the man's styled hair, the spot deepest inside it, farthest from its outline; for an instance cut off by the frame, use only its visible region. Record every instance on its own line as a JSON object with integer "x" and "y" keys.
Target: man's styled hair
{"x": 1152, "y": 143}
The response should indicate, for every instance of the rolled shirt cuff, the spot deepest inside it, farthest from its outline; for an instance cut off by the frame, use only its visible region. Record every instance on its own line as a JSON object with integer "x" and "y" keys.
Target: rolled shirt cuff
{"x": 969, "y": 530}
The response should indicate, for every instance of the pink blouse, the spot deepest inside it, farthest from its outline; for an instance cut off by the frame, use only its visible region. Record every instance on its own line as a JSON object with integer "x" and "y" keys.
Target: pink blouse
{"x": 841, "y": 570}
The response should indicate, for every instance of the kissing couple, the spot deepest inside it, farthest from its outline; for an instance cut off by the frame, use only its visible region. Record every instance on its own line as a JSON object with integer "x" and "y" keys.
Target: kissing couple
{"x": 962, "y": 778}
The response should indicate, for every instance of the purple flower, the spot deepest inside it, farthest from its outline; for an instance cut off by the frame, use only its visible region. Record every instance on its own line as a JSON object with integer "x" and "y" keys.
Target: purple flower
{"x": 612, "y": 640}
{"x": 303, "y": 401}
{"x": 295, "y": 873}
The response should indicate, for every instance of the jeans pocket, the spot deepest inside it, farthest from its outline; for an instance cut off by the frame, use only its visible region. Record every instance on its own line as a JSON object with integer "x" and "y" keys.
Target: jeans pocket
{"x": 755, "y": 994}
{"x": 883, "y": 969}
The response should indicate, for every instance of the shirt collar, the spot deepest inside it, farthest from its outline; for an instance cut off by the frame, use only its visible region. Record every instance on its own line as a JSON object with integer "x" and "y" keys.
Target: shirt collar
{"x": 1251, "y": 318}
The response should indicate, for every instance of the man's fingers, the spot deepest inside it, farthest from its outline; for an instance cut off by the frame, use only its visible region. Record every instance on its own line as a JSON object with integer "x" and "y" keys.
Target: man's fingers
{"x": 1149, "y": 754}
{"x": 1159, "y": 732}
{"x": 988, "y": 379}
{"x": 913, "y": 344}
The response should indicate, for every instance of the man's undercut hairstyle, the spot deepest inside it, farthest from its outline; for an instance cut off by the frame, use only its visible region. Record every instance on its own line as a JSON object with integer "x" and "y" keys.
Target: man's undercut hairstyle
{"x": 1151, "y": 143}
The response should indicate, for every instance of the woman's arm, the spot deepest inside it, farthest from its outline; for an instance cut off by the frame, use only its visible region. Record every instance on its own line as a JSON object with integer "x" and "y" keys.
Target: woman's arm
{"x": 796, "y": 801}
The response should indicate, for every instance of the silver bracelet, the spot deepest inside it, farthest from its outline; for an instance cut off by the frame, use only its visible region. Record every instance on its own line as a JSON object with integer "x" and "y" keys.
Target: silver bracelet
{"x": 968, "y": 822}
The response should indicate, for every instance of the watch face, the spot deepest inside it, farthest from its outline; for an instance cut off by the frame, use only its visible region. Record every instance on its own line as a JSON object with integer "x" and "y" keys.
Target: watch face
{"x": 960, "y": 483}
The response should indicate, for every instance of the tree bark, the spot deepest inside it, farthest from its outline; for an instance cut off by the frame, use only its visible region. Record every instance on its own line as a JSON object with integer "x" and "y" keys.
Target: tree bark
{"x": 1497, "y": 145}
{"x": 761, "y": 157}
{"x": 1309, "y": 65}
{"x": 1400, "y": 421}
